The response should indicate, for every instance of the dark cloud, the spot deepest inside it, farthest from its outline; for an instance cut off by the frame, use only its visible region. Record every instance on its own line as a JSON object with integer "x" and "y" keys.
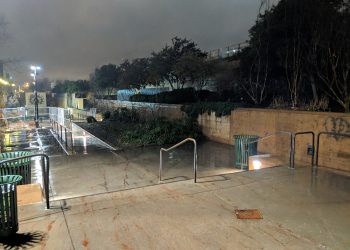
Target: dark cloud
{"x": 71, "y": 37}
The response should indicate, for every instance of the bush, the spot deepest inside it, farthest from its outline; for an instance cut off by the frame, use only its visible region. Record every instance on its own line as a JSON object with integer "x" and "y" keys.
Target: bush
{"x": 220, "y": 108}
{"x": 124, "y": 115}
{"x": 161, "y": 131}
{"x": 91, "y": 119}
{"x": 106, "y": 115}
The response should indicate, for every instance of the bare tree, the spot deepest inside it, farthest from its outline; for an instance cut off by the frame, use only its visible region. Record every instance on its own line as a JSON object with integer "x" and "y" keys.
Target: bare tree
{"x": 332, "y": 64}
{"x": 293, "y": 56}
{"x": 255, "y": 84}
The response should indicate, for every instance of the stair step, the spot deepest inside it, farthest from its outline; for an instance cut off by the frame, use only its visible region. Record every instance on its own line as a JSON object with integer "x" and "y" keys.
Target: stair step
{"x": 257, "y": 162}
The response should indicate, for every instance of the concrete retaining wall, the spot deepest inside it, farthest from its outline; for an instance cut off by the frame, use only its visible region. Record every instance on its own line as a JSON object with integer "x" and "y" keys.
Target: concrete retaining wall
{"x": 334, "y": 151}
{"x": 146, "y": 110}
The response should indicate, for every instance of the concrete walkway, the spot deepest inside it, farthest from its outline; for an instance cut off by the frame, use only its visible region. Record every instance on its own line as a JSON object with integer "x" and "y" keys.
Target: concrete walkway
{"x": 301, "y": 210}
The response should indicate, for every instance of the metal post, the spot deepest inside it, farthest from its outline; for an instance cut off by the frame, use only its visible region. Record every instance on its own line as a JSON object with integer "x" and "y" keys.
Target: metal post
{"x": 161, "y": 165}
{"x": 313, "y": 145}
{"x": 65, "y": 136}
{"x": 195, "y": 162}
{"x": 326, "y": 133}
{"x": 61, "y": 131}
{"x": 71, "y": 139}
{"x": 318, "y": 147}
{"x": 36, "y": 102}
{"x": 195, "y": 168}
{"x": 291, "y": 153}
{"x": 36, "y": 110}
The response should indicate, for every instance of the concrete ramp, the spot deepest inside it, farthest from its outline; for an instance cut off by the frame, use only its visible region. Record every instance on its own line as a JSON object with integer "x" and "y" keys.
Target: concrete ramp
{"x": 85, "y": 140}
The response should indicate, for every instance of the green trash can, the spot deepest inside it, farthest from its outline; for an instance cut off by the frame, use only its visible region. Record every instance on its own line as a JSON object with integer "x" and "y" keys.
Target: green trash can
{"x": 8, "y": 204}
{"x": 250, "y": 144}
{"x": 19, "y": 167}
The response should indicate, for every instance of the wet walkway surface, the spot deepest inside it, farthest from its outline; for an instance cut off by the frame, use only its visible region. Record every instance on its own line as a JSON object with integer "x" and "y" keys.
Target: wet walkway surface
{"x": 99, "y": 170}
{"x": 103, "y": 199}
{"x": 94, "y": 169}
{"x": 300, "y": 210}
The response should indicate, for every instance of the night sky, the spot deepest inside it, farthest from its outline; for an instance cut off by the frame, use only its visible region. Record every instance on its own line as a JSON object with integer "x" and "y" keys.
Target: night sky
{"x": 69, "y": 38}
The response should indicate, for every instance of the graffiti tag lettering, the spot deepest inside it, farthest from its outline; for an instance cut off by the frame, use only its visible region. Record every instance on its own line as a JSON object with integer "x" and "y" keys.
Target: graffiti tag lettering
{"x": 337, "y": 125}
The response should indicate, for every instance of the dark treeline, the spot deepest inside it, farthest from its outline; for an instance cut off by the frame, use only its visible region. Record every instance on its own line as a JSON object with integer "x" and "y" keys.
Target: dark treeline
{"x": 298, "y": 55}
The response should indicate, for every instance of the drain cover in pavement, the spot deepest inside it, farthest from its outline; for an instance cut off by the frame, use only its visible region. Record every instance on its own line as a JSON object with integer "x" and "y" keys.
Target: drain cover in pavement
{"x": 246, "y": 214}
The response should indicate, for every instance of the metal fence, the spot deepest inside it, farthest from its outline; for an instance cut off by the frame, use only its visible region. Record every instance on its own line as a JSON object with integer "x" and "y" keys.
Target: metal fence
{"x": 226, "y": 52}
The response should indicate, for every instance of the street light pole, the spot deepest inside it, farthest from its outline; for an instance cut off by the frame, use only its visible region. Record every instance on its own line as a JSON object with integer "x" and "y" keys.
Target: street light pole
{"x": 36, "y": 103}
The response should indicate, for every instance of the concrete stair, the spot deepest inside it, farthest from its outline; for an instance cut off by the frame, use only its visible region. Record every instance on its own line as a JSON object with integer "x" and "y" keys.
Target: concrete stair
{"x": 260, "y": 161}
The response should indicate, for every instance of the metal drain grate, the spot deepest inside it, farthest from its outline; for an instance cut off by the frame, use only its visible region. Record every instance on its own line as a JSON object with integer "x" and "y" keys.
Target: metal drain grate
{"x": 248, "y": 214}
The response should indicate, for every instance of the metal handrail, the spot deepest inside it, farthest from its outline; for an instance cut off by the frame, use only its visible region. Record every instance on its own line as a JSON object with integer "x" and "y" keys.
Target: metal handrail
{"x": 175, "y": 146}
{"x": 45, "y": 168}
{"x": 313, "y": 146}
{"x": 244, "y": 152}
{"x": 58, "y": 129}
{"x": 326, "y": 133}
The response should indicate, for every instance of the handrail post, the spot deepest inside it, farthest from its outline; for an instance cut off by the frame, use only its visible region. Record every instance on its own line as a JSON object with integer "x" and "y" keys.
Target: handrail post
{"x": 313, "y": 149}
{"x": 47, "y": 184}
{"x": 160, "y": 165}
{"x": 195, "y": 161}
{"x": 291, "y": 152}
{"x": 318, "y": 147}
{"x": 326, "y": 133}
{"x": 313, "y": 145}
{"x": 65, "y": 136}
{"x": 195, "y": 168}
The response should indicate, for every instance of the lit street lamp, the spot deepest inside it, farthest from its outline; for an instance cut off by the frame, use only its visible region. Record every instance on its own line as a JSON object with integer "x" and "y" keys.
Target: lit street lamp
{"x": 34, "y": 73}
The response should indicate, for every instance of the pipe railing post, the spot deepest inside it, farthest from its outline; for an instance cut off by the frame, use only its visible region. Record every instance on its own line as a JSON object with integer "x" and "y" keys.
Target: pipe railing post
{"x": 313, "y": 146}
{"x": 326, "y": 133}
{"x": 160, "y": 165}
{"x": 65, "y": 137}
{"x": 195, "y": 167}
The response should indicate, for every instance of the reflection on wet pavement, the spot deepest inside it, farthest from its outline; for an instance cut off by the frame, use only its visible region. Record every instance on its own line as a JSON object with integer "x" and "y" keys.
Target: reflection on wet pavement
{"x": 93, "y": 167}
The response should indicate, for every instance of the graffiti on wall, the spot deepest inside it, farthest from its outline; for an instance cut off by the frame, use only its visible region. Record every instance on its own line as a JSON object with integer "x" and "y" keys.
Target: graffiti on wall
{"x": 337, "y": 125}
{"x": 30, "y": 99}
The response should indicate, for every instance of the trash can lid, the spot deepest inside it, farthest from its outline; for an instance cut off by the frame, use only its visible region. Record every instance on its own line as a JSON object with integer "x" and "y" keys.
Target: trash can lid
{"x": 11, "y": 155}
{"x": 10, "y": 179}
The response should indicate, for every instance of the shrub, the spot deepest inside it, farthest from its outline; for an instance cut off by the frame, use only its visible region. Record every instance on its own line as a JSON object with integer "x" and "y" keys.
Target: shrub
{"x": 91, "y": 119}
{"x": 106, "y": 115}
{"x": 124, "y": 115}
{"x": 220, "y": 108}
{"x": 161, "y": 131}
{"x": 320, "y": 105}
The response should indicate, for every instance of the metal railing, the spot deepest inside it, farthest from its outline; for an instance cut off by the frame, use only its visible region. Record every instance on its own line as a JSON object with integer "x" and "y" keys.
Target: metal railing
{"x": 326, "y": 133}
{"x": 313, "y": 146}
{"x": 226, "y": 52}
{"x": 45, "y": 168}
{"x": 175, "y": 146}
{"x": 62, "y": 133}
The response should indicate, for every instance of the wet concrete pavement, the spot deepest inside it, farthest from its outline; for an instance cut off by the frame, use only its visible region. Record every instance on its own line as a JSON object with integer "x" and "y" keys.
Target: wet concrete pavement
{"x": 100, "y": 170}
{"x": 300, "y": 210}
{"x": 111, "y": 200}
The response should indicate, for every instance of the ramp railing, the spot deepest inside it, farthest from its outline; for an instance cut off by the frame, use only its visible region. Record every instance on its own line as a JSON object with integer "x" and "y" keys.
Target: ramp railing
{"x": 326, "y": 133}
{"x": 175, "y": 146}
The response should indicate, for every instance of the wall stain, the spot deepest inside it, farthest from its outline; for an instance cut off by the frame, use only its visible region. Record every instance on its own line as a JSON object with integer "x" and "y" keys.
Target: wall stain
{"x": 337, "y": 125}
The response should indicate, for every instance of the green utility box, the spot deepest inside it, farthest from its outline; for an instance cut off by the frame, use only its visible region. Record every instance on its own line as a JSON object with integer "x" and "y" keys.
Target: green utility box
{"x": 20, "y": 167}
{"x": 245, "y": 146}
{"x": 8, "y": 205}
